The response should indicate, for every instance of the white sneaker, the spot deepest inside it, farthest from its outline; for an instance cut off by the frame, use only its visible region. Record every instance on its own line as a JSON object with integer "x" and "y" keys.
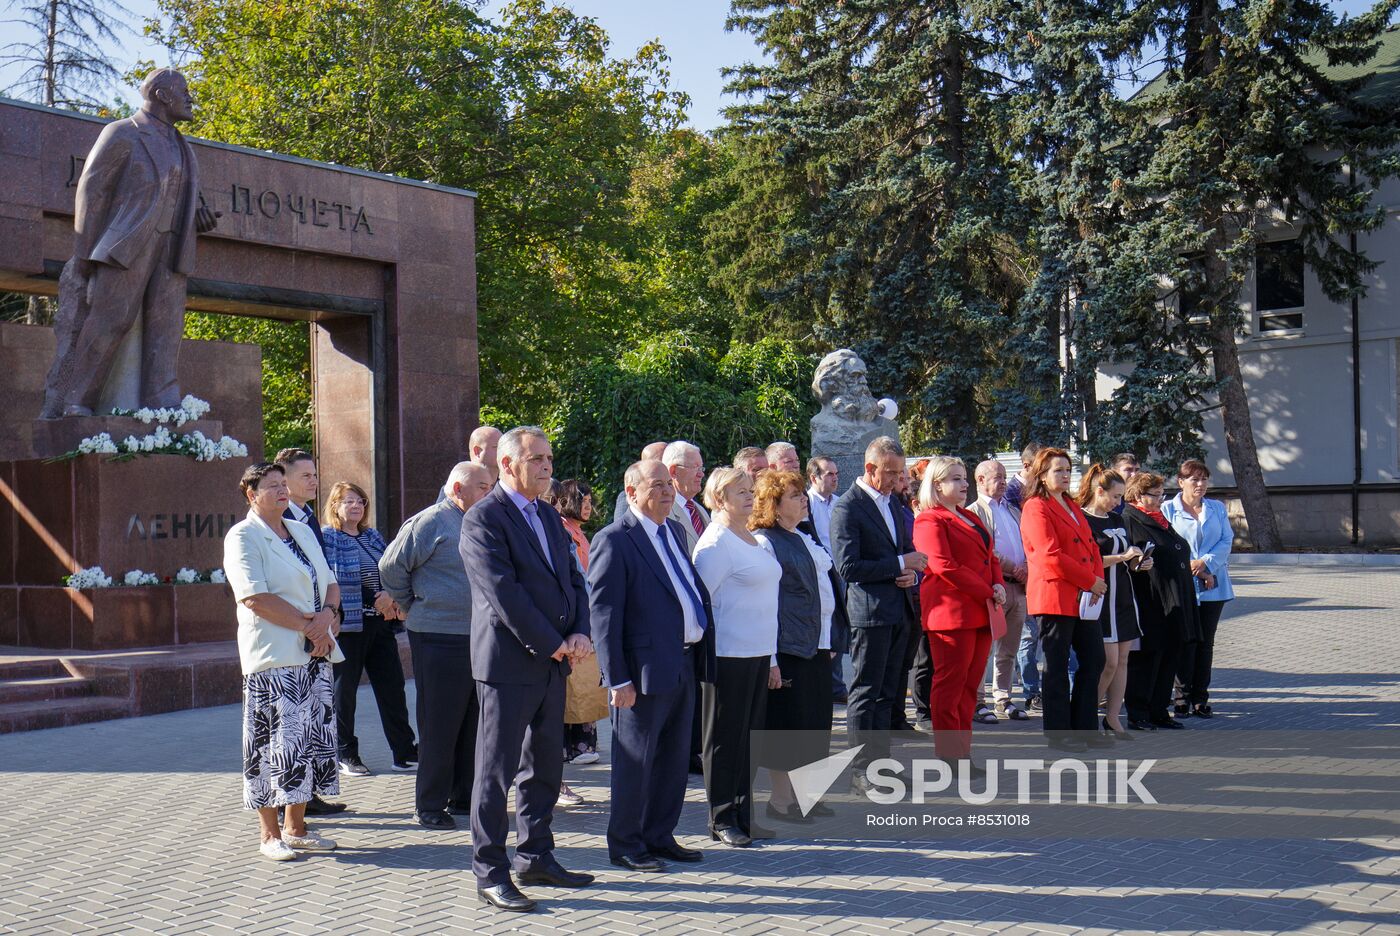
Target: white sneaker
{"x": 277, "y": 850}
{"x": 311, "y": 841}
{"x": 587, "y": 757}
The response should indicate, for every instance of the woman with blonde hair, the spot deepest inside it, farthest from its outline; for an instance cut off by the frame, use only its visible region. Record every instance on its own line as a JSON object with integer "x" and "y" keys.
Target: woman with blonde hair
{"x": 961, "y": 590}
{"x": 743, "y": 581}
{"x": 368, "y": 633}
{"x": 1100, "y": 496}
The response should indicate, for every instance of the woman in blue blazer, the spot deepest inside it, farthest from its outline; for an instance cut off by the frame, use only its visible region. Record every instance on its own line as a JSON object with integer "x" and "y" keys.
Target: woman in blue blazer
{"x": 353, "y": 549}
{"x": 1206, "y": 526}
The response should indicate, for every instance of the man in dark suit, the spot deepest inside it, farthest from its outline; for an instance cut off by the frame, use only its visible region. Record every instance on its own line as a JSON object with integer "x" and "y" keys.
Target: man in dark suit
{"x": 529, "y": 618}
{"x": 299, "y": 467}
{"x": 877, "y": 561}
{"x": 650, "y": 613}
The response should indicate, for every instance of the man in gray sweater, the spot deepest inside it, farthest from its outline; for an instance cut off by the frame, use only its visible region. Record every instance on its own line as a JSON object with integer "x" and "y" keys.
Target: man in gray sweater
{"x": 422, "y": 569}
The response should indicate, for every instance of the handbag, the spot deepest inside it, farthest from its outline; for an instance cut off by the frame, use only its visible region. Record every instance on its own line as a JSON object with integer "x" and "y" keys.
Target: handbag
{"x": 1090, "y": 606}
{"x": 996, "y": 615}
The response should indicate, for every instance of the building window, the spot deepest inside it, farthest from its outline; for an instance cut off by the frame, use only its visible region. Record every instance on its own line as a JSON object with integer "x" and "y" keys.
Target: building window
{"x": 1278, "y": 285}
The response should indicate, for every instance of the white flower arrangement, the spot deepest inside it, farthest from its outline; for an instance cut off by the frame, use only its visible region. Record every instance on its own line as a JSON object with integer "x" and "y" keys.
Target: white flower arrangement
{"x": 196, "y": 444}
{"x": 92, "y": 577}
{"x": 100, "y": 444}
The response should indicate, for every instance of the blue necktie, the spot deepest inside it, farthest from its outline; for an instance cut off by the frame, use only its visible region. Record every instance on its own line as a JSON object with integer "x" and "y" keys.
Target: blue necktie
{"x": 677, "y": 568}
{"x": 532, "y": 516}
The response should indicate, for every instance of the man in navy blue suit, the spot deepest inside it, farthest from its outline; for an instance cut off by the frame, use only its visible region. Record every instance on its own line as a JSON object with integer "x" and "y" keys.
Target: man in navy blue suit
{"x": 650, "y": 613}
{"x": 529, "y": 619}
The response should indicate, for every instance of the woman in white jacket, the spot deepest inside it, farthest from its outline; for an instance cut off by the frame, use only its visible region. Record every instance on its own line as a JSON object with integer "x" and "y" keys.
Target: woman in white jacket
{"x": 288, "y": 615}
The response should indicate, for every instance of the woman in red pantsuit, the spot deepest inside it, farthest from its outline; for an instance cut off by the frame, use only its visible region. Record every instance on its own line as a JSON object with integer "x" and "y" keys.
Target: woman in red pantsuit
{"x": 1063, "y": 561}
{"x": 962, "y": 577}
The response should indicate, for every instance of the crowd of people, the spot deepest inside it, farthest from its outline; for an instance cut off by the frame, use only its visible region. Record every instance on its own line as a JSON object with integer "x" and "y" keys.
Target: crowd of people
{"x": 711, "y": 606}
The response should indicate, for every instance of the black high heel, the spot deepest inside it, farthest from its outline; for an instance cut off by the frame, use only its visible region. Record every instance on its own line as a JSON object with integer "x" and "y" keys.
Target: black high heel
{"x": 1117, "y": 734}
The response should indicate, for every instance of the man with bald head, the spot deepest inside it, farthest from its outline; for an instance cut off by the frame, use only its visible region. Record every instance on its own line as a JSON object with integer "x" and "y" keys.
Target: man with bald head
{"x": 1003, "y": 521}
{"x": 423, "y": 571}
{"x": 482, "y": 446}
{"x": 652, "y": 451}
{"x": 654, "y": 632}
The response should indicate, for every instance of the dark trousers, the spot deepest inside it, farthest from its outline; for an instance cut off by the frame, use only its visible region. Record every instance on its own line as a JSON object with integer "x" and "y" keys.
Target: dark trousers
{"x": 921, "y": 678}
{"x": 1064, "y": 711}
{"x": 899, "y": 715}
{"x": 650, "y": 763}
{"x": 519, "y": 740}
{"x": 877, "y": 658}
{"x": 697, "y": 729}
{"x": 735, "y": 705}
{"x": 1198, "y": 656}
{"x": 1150, "y": 674}
{"x": 838, "y": 674}
{"x": 447, "y": 718}
{"x": 375, "y": 651}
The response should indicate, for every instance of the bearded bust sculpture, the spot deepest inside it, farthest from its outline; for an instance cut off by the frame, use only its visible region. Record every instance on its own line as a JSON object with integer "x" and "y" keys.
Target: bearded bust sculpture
{"x": 850, "y": 415}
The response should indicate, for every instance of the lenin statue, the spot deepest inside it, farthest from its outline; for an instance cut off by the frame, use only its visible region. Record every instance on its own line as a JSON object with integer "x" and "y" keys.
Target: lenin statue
{"x": 121, "y": 298}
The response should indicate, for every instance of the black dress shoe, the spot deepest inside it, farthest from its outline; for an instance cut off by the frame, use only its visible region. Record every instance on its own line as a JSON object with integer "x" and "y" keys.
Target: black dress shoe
{"x": 1202, "y": 711}
{"x": 439, "y": 821}
{"x": 1117, "y": 733}
{"x": 505, "y": 897}
{"x": 676, "y": 852}
{"x": 731, "y": 837}
{"x": 319, "y": 807}
{"x": 821, "y": 811}
{"x": 1167, "y": 723}
{"x": 554, "y": 875}
{"x": 1140, "y": 726}
{"x": 641, "y": 862}
{"x": 792, "y": 814}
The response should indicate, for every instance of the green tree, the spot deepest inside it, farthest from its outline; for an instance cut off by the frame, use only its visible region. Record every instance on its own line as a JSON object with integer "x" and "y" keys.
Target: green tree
{"x": 898, "y": 222}
{"x": 677, "y": 385}
{"x": 530, "y": 111}
{"x": 1261, "y": 118}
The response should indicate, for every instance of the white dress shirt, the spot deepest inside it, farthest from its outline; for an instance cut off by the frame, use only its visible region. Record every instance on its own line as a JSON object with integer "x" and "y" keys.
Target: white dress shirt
{"x": 693, "y": 629}
{"x": 822, "y": 560}
{"x": 1008, "y": 543}
{"x": 820, "y": 510}
{"x": 882, "y": 501}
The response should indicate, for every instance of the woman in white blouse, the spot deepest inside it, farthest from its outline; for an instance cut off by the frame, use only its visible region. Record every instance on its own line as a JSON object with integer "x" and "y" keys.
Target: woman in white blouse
{"x": 288, "y": 616}
{"x": 742, "y": 578}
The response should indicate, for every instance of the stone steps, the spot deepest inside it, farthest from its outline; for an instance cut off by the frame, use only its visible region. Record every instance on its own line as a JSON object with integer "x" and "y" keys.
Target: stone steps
{"x": 58, "y": 713}
{"x": 46, "y": 687}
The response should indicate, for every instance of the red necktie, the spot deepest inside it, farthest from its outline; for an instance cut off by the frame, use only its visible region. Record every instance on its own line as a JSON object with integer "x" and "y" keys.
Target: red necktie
{"x": 695, "y": 520}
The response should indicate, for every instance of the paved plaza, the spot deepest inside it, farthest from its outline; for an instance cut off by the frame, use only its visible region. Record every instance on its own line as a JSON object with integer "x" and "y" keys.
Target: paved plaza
{"x": 135, "y": 826}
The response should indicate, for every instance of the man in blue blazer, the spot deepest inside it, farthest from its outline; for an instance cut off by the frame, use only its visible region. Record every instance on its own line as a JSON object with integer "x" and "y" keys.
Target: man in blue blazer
{"x": 529, "y": 618}
{"x": 875, "y": 557}
{"x": 650, "y": 613}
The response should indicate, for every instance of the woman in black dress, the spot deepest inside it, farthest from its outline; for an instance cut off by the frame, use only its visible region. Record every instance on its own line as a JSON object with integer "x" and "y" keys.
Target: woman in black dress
{"x": 1100, "y": 493}
{"x": 1166, "y": 605}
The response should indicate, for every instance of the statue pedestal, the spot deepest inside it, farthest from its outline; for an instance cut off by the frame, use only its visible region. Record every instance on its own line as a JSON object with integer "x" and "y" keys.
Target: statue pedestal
{"x": 55, "y": 437}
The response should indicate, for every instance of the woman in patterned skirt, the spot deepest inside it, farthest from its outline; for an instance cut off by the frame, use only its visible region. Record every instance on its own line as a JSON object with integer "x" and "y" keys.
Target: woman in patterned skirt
{"x": 288, "y": 615}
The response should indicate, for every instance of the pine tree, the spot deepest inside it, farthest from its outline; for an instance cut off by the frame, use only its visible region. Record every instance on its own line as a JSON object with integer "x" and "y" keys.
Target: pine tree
{"x": 62, "y": 63}
{"x": 1250, "y": 123}
{"x": 909, "y": 254}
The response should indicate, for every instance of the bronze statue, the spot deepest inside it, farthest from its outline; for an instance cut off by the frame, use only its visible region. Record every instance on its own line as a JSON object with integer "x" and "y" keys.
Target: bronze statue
{"x": 121, "y": 298}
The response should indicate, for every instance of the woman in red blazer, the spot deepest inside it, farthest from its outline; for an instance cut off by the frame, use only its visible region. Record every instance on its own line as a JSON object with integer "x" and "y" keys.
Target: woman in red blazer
{"x": 961, "y": 578}
{"x": 1062, "y": 561}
